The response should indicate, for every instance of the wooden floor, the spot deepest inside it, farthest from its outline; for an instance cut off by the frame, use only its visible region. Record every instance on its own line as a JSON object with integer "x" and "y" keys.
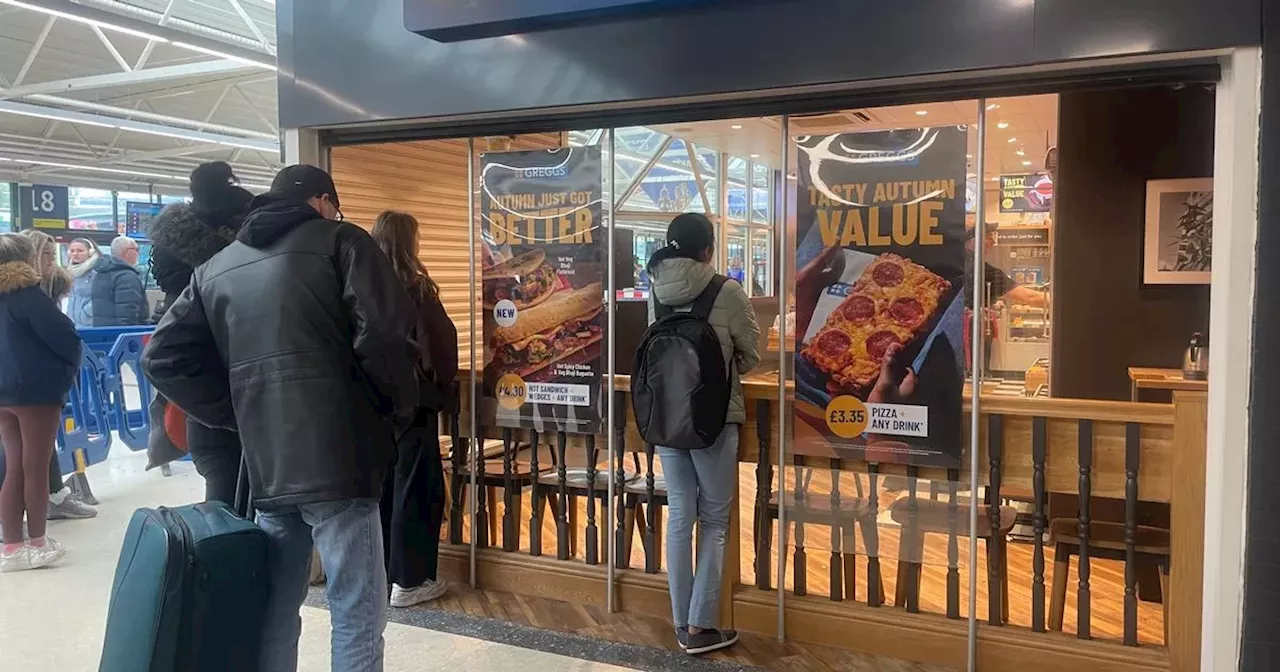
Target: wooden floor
{"x": 1106, "y": 581}
{"x": 595, "y": 622}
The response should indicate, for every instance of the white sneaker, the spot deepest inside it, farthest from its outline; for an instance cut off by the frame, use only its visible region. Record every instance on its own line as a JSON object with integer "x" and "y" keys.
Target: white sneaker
{"x": 31, "y": 557}
{"x": 402, "y": 597}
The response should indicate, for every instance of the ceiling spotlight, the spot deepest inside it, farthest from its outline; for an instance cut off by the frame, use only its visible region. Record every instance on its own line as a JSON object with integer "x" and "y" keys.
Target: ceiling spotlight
{"x": 1012, "y": 140}
{"x": 1026, "y": 163}
{"x": 993, "y": 106}
{"x": 921, "y": 113}
{"x": 755, "y": 156}
{"x": 968, "y": 156}
{"x": 1003, "y": 124}
{"x": 736, "y": 127}
{"x": 995, "y": 179}
{"x": 1020, "y": 153}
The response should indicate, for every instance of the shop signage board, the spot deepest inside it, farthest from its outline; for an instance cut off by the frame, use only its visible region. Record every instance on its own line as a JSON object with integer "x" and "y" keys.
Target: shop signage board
{"x": 879, "y": 305}
{"x": 1022, "y": 236}
{"x": 545, "y": 259}
{"x": 452, "y": 21}
{"x": 42, "y": 206}
{"x": 1032, "y": 192}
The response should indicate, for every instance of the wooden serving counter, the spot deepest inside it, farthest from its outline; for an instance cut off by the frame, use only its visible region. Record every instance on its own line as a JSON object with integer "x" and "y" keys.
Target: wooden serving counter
{"x": 1127, "y": 453}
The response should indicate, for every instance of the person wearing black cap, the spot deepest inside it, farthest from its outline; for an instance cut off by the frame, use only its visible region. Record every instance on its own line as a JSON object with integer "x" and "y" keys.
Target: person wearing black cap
{"x": 299, "y": 336}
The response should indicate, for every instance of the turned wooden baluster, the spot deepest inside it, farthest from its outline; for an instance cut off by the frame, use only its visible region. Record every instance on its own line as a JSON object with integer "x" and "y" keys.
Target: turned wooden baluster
{"x": 509, "y": 522}
{"x": 593, "y": 532}
{"x": 764, "y": 492}
{"x": 799, "y": 558}
{"x": 458, "y": 478}
{"x": 621, "y": 558}
{"x": 871, "y": 533}
{"x": 1083, "y": 596}
{"x": 535, "y": 499}
{"x": 481, "y": 514}
{"x": 953, "y": 545}
{"x": 562, "y": 483}
{"x": 837, "y": 563}
{"x": 651, "y": 559}
{"x": 995, "y": 547}
{"x": 909, "y": 536}
{"x": 1039, "y": 443}
{"x": 1132, "y": 455}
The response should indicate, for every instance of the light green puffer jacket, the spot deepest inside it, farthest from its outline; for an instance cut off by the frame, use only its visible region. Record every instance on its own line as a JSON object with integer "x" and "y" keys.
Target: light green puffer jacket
{"x": 677, "y": 282}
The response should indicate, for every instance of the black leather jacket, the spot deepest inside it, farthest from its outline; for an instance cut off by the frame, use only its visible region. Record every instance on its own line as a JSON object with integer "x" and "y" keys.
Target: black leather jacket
{"x": 299, "y": 336}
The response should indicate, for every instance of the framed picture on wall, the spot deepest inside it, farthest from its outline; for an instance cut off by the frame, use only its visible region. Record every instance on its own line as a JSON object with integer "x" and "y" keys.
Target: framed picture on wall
{"x": 1179, "y": 232}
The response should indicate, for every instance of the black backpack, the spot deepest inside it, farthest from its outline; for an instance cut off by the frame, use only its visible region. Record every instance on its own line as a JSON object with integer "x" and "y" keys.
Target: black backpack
{"x": 680, "y": 386}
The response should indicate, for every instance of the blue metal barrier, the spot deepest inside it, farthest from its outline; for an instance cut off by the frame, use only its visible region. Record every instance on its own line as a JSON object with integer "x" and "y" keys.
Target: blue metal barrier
{"x": 83, "y": 427}
{"x": 97, "y": 405}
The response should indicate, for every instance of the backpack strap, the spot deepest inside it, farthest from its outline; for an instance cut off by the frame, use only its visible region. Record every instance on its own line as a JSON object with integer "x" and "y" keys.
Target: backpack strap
{"x": 707, "y": 299}
{"x": 660, "y": 310}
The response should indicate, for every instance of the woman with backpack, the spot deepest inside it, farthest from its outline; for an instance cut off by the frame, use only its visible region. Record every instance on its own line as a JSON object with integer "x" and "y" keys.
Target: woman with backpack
{"x": 38, "y": 363}
{"x": 413, "y": 498}
{"x": 701, "y": 482}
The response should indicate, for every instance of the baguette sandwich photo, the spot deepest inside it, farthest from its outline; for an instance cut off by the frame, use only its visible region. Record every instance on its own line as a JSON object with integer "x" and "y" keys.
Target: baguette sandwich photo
{"x": 555, "y": 329}
{"x": 526, "y": 279}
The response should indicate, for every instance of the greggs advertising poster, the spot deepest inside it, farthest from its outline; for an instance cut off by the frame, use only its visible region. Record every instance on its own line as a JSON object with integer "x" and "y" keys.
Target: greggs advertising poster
{"x": 544, "y": 243}
{"x": 879, "y": 312}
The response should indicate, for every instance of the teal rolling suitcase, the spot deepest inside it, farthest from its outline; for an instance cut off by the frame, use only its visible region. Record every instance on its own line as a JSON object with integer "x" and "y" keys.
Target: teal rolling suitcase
{"x": 189, "y": 594}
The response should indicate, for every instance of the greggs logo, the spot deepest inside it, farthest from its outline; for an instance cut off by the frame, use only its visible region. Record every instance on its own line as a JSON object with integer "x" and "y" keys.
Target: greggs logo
{"x": 557, "y": 172}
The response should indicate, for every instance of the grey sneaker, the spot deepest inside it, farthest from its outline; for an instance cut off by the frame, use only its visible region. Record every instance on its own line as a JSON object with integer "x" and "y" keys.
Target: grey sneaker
{"x": 682, "y": 638}
{"x": 711, "y": 640}
{"x": 71, "y": 509}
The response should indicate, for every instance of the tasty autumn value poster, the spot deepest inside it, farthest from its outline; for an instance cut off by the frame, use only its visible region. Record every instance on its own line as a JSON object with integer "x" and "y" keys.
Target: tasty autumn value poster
{"x": 544, "y": 242}
{"x": 879, "y": 312}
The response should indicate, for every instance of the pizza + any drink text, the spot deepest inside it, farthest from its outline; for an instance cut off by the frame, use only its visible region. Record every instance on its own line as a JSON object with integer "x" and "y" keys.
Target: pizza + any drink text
{"x": 892, "y": 301}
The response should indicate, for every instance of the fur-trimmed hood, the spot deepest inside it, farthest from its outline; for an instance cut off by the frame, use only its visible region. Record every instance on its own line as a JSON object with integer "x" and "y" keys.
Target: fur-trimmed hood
{"x": 59, "y": 286}
{"x": 179, "y": 230}
{"x": 16, "y": 275}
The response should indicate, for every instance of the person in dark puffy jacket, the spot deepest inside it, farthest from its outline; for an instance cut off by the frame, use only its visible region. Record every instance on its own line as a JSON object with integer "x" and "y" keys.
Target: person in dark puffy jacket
{"x": 413, "y": 498}
{"x": 118, "y": 297}
{"x": 184, "y": 236}
{"x": 300, "y": 336}
{"x": 38, "y": 363}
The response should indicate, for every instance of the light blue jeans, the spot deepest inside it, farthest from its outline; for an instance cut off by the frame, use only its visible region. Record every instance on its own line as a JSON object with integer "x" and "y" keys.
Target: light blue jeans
{"x": 700, "y": 486}
{"x": 348, "y": 535}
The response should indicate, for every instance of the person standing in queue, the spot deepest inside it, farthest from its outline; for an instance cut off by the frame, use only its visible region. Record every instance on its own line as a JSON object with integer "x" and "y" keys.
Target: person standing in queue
{"x": 300, "y": 336}
{"x": 118, "y": 297}
{"x": 701, "y": 483}
{"x": 83, "y": 255}
{"x": 184, "y": 236}
{"x": 38, "y": 363}
{"x": 413, "y": 498}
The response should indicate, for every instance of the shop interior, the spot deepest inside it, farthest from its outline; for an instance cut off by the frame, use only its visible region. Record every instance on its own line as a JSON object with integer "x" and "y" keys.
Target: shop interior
{"x": 1066, "y": 315}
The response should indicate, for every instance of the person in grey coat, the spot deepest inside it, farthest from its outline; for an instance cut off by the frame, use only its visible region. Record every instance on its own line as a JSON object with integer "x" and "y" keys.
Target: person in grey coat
{"x": 701, "y": 483}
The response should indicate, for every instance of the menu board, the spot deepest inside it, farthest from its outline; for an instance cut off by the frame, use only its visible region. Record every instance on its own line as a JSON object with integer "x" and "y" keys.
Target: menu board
{"x": 879, "y": 306}
{"x": 1026, "y": 193}
{"x": 544, "y": 262}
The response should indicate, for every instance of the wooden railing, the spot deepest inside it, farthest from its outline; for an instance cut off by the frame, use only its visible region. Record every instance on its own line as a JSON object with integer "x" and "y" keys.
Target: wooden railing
{"x": 1067, "y": 461}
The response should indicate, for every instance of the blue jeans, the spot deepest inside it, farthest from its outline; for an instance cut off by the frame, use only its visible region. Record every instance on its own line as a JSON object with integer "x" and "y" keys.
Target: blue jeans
{"x": 348, "y": 535}
{"x": 700, "y": 486}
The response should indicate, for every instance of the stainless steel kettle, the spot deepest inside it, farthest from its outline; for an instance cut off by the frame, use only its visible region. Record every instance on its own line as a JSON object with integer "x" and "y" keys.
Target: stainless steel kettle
{"x": 1195, "y": 361}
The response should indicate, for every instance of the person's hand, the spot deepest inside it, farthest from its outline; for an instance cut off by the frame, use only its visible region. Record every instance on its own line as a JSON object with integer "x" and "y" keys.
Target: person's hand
{"x": 888, "y": 389}
{"x": 821, "y": 272}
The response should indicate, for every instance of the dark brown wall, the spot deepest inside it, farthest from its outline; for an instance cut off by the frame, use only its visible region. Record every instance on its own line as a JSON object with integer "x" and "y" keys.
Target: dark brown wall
{"x": 1105, "y": 320}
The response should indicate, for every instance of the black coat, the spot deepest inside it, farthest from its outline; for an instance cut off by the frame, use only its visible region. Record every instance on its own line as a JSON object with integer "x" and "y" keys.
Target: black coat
{"x": 39, "y": 346}
{"x": 299, "y": 336}
{"x": 181, "y": 240}
{"x": 119, "y": 298}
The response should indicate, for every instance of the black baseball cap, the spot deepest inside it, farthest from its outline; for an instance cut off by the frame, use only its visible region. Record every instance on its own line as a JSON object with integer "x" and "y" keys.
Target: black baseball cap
{"x": 301, "y": 182}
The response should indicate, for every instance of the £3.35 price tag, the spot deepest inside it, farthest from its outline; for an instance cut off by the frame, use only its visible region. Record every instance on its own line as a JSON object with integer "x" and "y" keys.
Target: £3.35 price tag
{"x": 846, "y": 416}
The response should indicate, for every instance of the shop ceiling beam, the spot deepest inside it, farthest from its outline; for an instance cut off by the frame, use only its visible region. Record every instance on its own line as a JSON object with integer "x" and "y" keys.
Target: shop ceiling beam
{"x": 149, "y": 75}
{"x": 152, "y": 116}
{"x": 71, "y": 117}
{"x": 146, "y": 23}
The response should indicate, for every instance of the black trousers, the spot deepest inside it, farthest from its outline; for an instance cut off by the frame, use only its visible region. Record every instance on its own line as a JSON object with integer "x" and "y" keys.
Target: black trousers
{"x": 216, "y": 454}
{"x": 55, "y": 472}
{"x": 413, "y": 501}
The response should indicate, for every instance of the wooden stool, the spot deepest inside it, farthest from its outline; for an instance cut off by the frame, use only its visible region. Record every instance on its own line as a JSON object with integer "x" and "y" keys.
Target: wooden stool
{"x": 636, "y": 496}
{"x": 936, "y": 517}
{"x": 844, "y": 516}
{"x": 1106, "y": 540}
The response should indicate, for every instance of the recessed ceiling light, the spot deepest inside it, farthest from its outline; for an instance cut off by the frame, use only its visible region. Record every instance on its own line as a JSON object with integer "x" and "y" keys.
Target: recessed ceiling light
{"x": 995, "y": 179}
{"x": 1026, "y": 163}
{"x": 1013, "y": 139}
{"x": 755, "y": 156}
{"x": 968, "y": 156}
{"x": 736, "y": 127}
{"x": 1003, "y": 124}
{"x": 993, "y": 106}
{"x": 1020, "y": 153}
{"x": 921, "y": 113}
